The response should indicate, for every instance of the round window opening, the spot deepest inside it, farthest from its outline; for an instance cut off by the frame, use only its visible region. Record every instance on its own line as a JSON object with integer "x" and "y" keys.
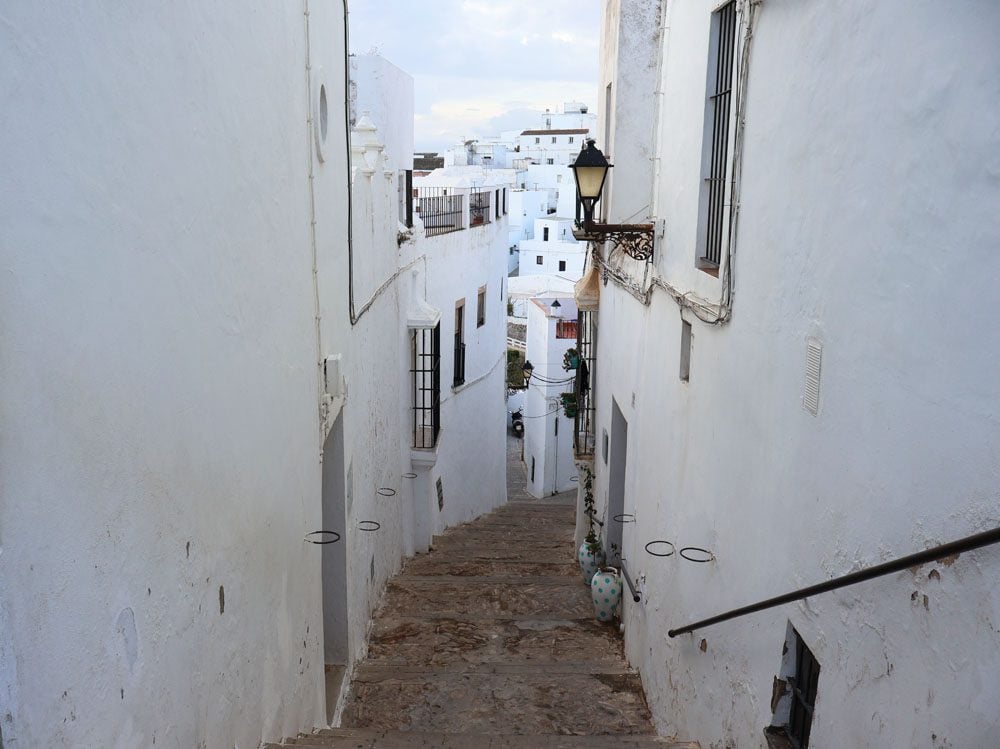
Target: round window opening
{"x": 322, "y": 113}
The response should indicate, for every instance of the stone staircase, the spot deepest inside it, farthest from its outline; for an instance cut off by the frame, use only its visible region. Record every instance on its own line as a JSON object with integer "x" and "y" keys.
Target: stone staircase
{"x": 489, "y": 641}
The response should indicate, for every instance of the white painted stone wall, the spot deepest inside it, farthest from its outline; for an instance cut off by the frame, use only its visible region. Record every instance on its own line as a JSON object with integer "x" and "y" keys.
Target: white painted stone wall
{"x": 386, "y": 93}
{"x": 159, "y": 383}
{"x": 548, "y": 446}
{"x": 560, "y": 253}
{"x": 863, "y": 194}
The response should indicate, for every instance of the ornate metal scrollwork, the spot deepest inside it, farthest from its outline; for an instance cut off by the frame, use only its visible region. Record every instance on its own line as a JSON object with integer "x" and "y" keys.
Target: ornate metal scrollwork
{"x": 635, "y": 240}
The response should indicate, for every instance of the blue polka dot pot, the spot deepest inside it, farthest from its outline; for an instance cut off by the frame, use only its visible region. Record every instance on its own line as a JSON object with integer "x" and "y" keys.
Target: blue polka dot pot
{"x": 605, "y": 592}
{"x": 589, "y": 561}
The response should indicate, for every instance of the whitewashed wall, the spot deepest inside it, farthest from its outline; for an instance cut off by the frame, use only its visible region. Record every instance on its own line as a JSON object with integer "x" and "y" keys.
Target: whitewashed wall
{"x": 863, "y": 191}
{"x": 572, "y": 254}
{"x": 552, "y": 453}
{"x": 159, "y": 382}
{"x": 386, "y": 93}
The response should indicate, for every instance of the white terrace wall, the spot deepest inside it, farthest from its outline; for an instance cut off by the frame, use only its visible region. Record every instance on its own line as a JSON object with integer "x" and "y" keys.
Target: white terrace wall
{"x": 864, "y": 186}
{"x": 386, "y": 93}
{"x": 471, "y": 455}
{"x": 159, "y": 382}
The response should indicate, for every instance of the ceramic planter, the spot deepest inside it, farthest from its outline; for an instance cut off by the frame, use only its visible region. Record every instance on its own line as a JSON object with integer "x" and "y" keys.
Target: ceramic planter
{"x": 606, "y": 593}
{"x": 589, "y": 562}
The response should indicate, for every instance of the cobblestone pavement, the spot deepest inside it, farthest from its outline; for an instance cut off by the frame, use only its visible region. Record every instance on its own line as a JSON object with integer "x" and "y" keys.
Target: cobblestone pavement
{"x": 489, "y": 641}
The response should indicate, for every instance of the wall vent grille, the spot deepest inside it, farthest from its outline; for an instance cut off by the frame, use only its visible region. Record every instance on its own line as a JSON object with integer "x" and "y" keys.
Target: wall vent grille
{"x": 814, "y": 367}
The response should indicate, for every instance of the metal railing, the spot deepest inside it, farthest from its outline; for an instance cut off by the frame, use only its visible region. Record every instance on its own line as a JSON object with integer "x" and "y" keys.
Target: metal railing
{"x": 426, "y": 372}
{"x": 584, "y": 426}
{"x": 441, "y": 212}
{"x": 459, "y": 377}
{"x": 480, "y": 202}
{"x": 897, "y": 565}
{"x": 628, "y": 581}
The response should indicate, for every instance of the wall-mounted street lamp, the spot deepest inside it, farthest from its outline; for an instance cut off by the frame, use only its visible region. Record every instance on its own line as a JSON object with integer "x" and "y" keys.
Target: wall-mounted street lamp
{"x": 590, "y": 170}
{"x": 527, "y": 368}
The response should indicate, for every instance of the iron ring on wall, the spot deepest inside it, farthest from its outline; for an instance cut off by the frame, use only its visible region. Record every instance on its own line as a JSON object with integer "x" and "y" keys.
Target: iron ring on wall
{"x": 409, "y": 475}
{"x": 386, "y": 492}
{"x": 697, "y": 549}
{"x": 368, "y": 526}
{"x": 625, "y": 517}
{"x": 658, "y": 554}
{"x": 322, "y": 533}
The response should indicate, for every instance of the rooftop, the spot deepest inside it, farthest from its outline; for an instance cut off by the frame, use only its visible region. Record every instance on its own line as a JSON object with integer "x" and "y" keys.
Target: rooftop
{"x": 574, "y": 131}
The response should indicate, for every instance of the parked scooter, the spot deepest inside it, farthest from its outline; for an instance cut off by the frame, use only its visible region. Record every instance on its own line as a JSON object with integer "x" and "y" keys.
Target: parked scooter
{"x": 517, "y": 422}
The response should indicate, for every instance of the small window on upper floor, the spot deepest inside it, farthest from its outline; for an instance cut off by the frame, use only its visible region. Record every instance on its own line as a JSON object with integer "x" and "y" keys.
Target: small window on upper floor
{"x": 555, "y": 139}
{"x": 538, "y": 140}
{"x": 545, "y": 234}
{"x": 562, "y": 265}
{"x": 539, "y": 260}
{"x": 481, "y": 307}
{"x": 571, "y": 139}
{"x": 550, "y": 161}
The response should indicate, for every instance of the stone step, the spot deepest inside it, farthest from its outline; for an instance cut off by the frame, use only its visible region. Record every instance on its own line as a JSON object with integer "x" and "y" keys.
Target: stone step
{"x": 435, "y": 565}
{"x": 367, "y": 738}
{"x": 423, "y": 642}
{"x": 537, "y": 702}
{"x": 568, "y": 600}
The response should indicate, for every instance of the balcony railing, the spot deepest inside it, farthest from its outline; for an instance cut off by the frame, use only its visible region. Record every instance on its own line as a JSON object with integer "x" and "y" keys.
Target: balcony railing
{"x": 440, "y": 211}
{"x": 480, "y": 203}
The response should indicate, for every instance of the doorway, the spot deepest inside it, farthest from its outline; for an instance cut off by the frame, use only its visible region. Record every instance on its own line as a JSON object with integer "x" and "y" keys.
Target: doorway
{"x": 334, "y": 570}
{"x": 616, "y": 483}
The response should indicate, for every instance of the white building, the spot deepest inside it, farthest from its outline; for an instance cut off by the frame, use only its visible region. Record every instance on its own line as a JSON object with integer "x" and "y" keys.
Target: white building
{"x": 553, "y": 251}
{"x": 207, "y": 358}
{"x": 548, "y": 429}
{"x": 806, "y": 391}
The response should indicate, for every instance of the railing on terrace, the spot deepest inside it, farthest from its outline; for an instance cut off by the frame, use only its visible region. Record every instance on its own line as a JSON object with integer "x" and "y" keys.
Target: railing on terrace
{"x": 584, "y": 434}
{"x": 480, "y": 202}
{"x": 440, "y": 211}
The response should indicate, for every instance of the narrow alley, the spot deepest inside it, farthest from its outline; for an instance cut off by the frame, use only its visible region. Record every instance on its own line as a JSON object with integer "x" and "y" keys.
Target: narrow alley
{"x": 490, "y": 641}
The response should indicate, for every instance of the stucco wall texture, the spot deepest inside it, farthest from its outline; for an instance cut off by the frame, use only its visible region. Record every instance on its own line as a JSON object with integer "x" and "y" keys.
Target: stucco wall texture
{"x": 872, "y": 134}
{"x": 173, "y": 239}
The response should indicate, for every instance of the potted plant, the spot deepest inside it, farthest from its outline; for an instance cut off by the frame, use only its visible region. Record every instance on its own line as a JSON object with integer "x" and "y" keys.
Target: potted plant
{"x": 569, "y": 404}
{"x": 590, "y": 555}
{"x": 571, "y": 359}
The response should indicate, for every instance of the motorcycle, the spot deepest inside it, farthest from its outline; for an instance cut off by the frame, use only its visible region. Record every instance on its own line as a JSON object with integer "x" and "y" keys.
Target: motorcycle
{"x": 517, "y": 422}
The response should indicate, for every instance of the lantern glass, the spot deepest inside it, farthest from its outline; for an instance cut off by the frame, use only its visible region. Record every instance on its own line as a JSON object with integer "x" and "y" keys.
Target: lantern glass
{"x": 590, "y": 181}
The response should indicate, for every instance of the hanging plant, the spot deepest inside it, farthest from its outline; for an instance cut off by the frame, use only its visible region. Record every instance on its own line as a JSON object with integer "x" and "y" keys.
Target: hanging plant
{"x": 569, "y": 404}
{"x": 571, "y": 359}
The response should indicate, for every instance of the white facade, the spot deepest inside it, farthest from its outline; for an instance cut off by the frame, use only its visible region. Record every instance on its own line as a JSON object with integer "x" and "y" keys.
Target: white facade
{"x": 842, "y": 415}
{"x": 553, "y": 251}
{"x": 200, "y": 369}
{"x": 385, "y": 93}
{"x": 548, "y": 433}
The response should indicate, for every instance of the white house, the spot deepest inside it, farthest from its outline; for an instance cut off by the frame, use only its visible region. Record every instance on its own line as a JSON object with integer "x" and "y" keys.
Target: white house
{"x": 548, "y": 427}
{"x": 554, "y": 250}
{"x": 799, "y": 381}
{"x": 209, "y": 363}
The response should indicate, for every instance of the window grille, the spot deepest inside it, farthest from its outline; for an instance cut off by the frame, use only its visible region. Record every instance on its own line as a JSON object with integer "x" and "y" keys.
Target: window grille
{"x": 719, "y": 100}
{"x": 459, "y": 363}
{"x": 426, "y": 372}
{"x": 803, "y": 694}
{"x": 405, "y": 198}
{"x": 586, "y": 347}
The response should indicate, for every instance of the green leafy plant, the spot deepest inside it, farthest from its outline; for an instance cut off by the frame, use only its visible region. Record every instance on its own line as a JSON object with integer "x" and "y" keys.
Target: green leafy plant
{"x": 593, "y": 539}
{"x": 571, "y": 359}
{"x": 569, "y": 404}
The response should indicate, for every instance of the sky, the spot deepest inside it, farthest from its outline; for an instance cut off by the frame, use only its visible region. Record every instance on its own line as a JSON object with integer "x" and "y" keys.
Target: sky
{"x": 481, "y": 66}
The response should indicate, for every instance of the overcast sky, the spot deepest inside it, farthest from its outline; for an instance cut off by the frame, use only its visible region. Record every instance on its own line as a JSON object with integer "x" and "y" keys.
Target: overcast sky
{"x": 482, "y": 66}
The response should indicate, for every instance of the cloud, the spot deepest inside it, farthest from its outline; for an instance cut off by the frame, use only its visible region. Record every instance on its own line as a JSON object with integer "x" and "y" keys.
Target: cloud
{"x": 494, "y": 57}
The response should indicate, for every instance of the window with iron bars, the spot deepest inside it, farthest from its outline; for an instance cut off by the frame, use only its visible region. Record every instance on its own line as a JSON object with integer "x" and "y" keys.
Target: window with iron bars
{"x": 426, "y": 373}
{"x": 722, "y": 54}
{"x": 479, "y": 207}
{"x": 458, "y": 377}
{"x": 584, "y": 434}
